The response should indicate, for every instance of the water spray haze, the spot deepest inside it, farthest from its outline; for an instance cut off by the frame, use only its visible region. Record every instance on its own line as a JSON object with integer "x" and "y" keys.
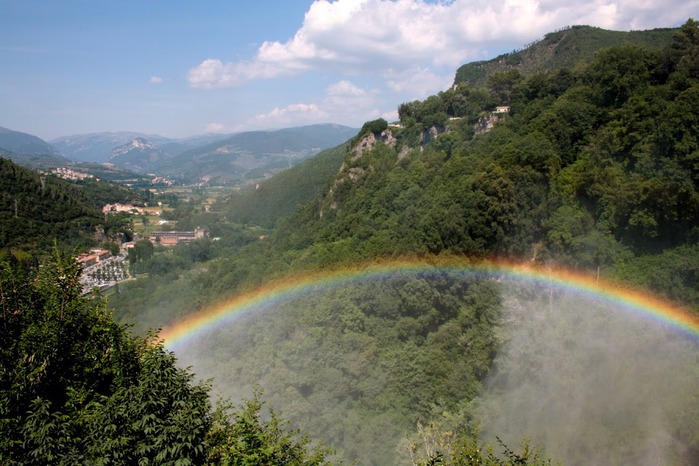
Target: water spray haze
{"x": 592, "y": 374}
{"x": 591, "y": 382}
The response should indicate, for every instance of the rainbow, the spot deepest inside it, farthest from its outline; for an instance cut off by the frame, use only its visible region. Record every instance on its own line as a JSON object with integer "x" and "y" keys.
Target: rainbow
{"x": 637, "y": 302}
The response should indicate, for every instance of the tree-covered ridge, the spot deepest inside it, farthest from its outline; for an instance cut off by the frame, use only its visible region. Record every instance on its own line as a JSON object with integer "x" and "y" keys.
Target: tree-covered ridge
{"x": 591, "y": 168}
{"x": 283, "y": 194}
{"x": 565, "y": 48}
{"x": 38, "y": 210}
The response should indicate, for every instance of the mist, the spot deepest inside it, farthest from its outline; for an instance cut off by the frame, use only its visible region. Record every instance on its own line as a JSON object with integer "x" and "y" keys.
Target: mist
{"x": 592, "y": 382}
{"x": 585, "y": 381}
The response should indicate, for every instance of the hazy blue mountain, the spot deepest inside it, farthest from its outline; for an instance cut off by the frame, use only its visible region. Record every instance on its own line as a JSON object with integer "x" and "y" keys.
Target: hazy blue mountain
{"x": 252, "y": 156}
{"x": 138, "y": 155}
{"x": 28, "y": 150}
{"x": 178, "y": 146}
{"x": 25, "y": 144}
{"x": 218, "y": 158}
{"x": 35, "y": 161}
{"x": 98, "y": 147}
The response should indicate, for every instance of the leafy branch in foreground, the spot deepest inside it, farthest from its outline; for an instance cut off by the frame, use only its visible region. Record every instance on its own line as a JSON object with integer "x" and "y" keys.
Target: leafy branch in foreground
{"x": 435, "y": 447}
{"x": 242, "y": 437}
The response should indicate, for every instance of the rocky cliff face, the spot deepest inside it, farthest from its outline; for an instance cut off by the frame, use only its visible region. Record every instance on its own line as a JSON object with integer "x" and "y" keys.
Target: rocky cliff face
{"x": 138, "y": 155}
{"x": 486, "y": 123}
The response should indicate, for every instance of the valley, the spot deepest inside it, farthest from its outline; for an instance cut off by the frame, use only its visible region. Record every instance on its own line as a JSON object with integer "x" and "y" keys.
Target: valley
{"x": 506, "y": 274}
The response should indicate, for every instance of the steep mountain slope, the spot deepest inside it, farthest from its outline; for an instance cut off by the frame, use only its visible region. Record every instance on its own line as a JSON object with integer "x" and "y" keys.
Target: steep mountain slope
{"x": 561, "y": 49}
{"x": 592, "y": 167}
{"x": 282, "y": 194}
{"x": 29, "y": 150}
{"x": 139, "y": 155}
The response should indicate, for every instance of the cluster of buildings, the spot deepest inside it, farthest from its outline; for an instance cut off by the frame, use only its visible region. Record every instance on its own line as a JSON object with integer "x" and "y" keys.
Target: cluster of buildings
{"x": 69, "y": 174}
{"x": 128, "y": 208}
{"x": 169, "y": 238}
{"x": 93, "y": 257}
{"x": 102, "y": 270}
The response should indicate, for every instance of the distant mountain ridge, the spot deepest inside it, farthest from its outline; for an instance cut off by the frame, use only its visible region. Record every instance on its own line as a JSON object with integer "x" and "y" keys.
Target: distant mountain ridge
{"x": 560, "y": 49}
{"x": 29, "y": 150}
{"x": 209, "y": 158}
{"x": 98, "y": 147}
{"x": 138, "y": 155}
{"x": 26, "y": 144}
{"x": 255, "y": 155}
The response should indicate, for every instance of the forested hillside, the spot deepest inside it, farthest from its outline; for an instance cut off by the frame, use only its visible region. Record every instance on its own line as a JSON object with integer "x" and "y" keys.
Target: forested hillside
{"x": 566, "y": 48}
{"x": 38, "y": 211}
{"x": 283, "y": 194}
{"x": 593, "y": 168}
{"x": 76, "y": 388}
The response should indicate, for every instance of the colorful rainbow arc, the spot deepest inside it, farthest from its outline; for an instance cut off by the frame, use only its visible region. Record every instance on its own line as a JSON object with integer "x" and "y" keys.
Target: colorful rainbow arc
{"x": 640, "y": 303}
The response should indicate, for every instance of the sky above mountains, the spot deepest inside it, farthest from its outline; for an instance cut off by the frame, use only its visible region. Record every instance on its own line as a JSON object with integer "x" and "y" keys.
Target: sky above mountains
{"x": 179, "y": 68}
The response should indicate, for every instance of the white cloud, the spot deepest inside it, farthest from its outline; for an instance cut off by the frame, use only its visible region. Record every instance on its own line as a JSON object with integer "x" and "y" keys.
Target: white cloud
{"x": 214, "y": 128}
{"x": 378, "y": 36}
{"x": 344, "y": 102}
{"x": 155, "y": 80}
{"x": 416, "y": 83}
{"x": 291, "y": 115}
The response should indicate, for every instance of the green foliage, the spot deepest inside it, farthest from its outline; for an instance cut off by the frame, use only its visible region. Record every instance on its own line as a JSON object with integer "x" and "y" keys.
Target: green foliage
{"x": 357, "y": 366}
{"x": 76, "y": 388}
{"x": 565, "y": 48}
{"x": 374, "y": 127}
{"x": 36, "y": 210}
{"x": 433, "y": 447}
{"x": 243, "y": 438}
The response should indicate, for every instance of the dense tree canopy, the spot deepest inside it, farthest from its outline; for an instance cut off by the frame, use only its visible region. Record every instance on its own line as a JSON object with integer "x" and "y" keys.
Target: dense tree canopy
{"x": 77, "y": 388}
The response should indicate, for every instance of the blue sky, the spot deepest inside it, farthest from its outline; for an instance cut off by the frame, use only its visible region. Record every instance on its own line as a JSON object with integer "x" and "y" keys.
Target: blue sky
{"x": 181, "y": 68}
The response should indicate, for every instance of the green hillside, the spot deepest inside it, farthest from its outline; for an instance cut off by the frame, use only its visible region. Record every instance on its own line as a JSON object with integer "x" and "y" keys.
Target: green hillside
{"x": 561, "y": 49}
{"x": 281, "y": 195}
{"x": 35, "y": 161}
{"x": 27, "y": 144}
{"x": 593, "y": 168}
{"x": 37, "y": 210}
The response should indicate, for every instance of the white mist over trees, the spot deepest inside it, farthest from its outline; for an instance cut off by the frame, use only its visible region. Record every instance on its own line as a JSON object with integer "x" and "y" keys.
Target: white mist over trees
{"x": 586, "y": 380}
{"x": 592, "y": 382}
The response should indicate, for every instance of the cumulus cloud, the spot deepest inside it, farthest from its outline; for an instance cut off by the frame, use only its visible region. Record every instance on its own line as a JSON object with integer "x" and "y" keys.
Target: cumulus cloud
{"x": 416, "y": 82}
{"x": 343, "y": 101}
{"x": 392, "y": 36}
{"x": 155, "y": 80}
